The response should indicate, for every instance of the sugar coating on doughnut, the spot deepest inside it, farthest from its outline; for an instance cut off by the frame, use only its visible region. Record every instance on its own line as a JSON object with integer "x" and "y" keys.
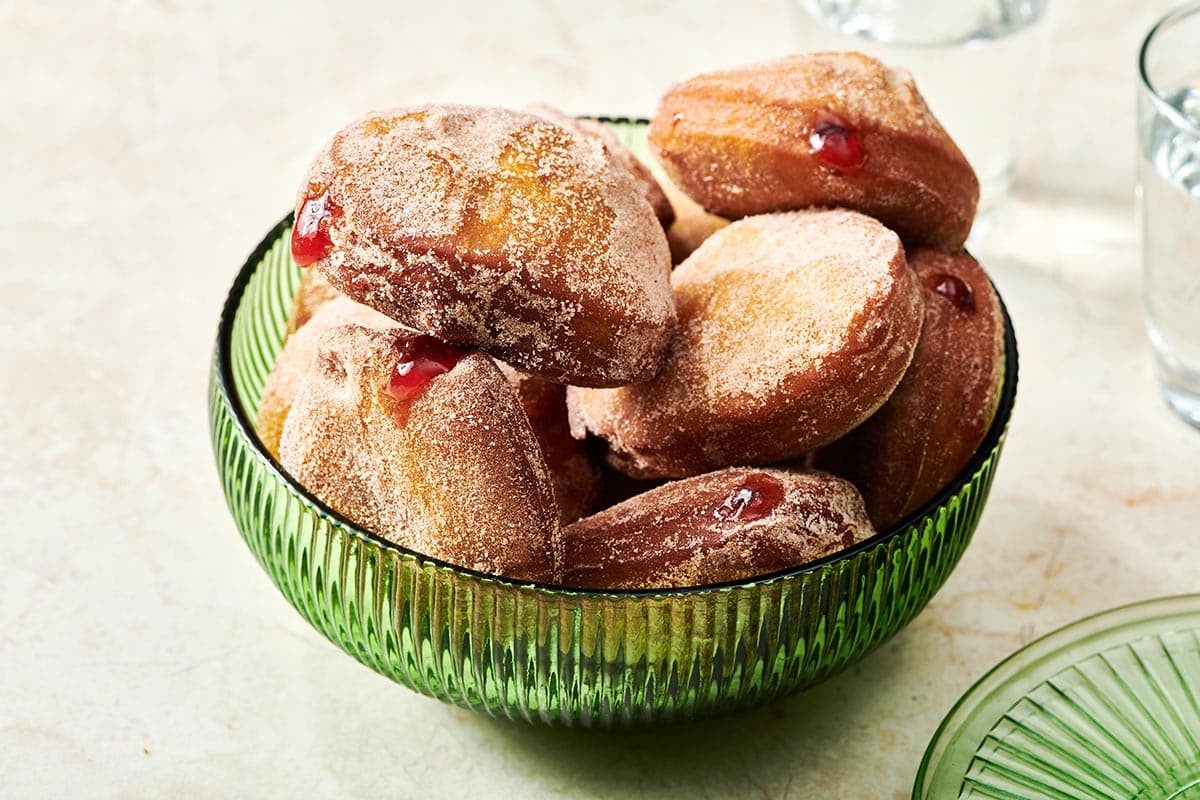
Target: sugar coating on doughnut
{"x": 939, "y": 414}
{"x": 740, "y": 142}
{"x": 713, "y": 528}
{"x": 620, "y": 153}
{"x": 300, "y": 350}
{"x": 461, "y": 479}
{"x": 794, "y": 328}
{"x": 574, "y": 475}
{"x": 499, "y": 229}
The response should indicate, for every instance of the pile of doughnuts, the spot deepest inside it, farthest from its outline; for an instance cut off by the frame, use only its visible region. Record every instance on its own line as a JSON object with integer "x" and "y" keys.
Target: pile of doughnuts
{"x": 516, "y": 351}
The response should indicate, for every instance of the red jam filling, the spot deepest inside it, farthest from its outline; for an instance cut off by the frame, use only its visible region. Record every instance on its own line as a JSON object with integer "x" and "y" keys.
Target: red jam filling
{"x": 836, "y": 143}
{"x": 310, "y": 236}
{"x": 757, "y": 497}
{"x": 422, "y": 358}
{"x": 953, "y": 289}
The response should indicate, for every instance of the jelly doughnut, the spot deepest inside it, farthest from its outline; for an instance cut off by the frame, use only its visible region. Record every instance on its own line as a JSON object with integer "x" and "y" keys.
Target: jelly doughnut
{"x": 493, "y": 229}
{"x": 426, "y": 445}
{"x": 821, "y": 129}
{"x": 794, "y": 328}
{"x": 712, "y": 528}
{"x": 300, "y": 350}
{"x": 926, "y": 433}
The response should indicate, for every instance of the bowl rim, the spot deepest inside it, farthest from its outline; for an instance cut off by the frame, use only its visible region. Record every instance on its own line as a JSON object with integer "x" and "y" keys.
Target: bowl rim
{"x": 247, "y": 430}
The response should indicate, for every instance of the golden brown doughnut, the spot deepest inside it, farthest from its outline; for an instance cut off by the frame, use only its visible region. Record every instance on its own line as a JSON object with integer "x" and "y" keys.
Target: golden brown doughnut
{"x": 620, "y": 153}
{"x": 926, "y": 433}
{"x": 496, "y": 229}
{"x": 722, "y": 526}
{"x": 426, "y": 445}
{"x": 299, "y": 351}
{"x": 821, "y": 129}
{"x": 574, "y": 475}
{"x": 794, "y": 328}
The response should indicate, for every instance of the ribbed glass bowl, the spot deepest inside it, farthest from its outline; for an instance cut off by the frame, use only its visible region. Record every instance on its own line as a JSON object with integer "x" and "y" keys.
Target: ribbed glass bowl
{"x": 542, "y": 653}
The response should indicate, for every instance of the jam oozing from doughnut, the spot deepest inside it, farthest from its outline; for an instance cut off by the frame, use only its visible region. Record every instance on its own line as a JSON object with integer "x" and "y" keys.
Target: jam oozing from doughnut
{"x": 422, "y": 358}
{"x": 837, "y": 143}
{"x": 310, "y": 236}
{"x": 757, "y": 497}
{"x": 953, "y": 289}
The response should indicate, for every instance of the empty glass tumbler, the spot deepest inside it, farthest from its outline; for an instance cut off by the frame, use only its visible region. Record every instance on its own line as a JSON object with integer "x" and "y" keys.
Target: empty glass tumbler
{"x": 1169, "y": 202}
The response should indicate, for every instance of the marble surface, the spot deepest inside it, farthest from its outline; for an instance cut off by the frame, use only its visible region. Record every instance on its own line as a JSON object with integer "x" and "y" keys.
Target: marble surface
{"x": 143, "y": 653}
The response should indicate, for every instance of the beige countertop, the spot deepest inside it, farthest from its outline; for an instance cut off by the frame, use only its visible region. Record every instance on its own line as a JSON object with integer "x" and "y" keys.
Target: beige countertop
{"x": 143, "y": 653}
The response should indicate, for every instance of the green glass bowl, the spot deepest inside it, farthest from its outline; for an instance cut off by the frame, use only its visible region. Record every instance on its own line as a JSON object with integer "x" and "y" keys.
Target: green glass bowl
{"x": 1107, "y": 708}
{"x": 543, "y": 653}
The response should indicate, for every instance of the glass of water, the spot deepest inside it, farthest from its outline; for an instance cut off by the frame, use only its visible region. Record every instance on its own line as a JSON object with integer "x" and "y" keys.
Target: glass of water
{"x": 1169, "y": 202}
{"x": 975, "y": 61}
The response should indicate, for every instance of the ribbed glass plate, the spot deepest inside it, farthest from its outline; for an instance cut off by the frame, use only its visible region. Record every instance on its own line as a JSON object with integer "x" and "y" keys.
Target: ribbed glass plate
{"x": 542, "y": 653}
{"x": 1105, "y": 709}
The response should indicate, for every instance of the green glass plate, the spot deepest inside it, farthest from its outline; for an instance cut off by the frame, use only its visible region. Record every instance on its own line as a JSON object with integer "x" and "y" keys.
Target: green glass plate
{"x": 542, "y": 653}
{"x": 1107, "y": 708}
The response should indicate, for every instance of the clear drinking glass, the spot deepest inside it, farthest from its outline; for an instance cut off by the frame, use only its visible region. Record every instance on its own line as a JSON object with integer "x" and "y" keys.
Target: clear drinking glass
{"x": 975, "y": 62}
{"x": 1169, "y": 202}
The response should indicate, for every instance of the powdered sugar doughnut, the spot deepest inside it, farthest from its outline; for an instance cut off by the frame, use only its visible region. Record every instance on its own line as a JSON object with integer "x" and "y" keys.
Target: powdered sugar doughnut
{"x": 722, "y": 526}
{"x": 497, "y": 229}
{"x": 426, "y": 445}
{"x": 314, "y": 313}
{"x": 938, "y": 415}
{"x": 794, "y": 328}
{"x": 821, "y": 129}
